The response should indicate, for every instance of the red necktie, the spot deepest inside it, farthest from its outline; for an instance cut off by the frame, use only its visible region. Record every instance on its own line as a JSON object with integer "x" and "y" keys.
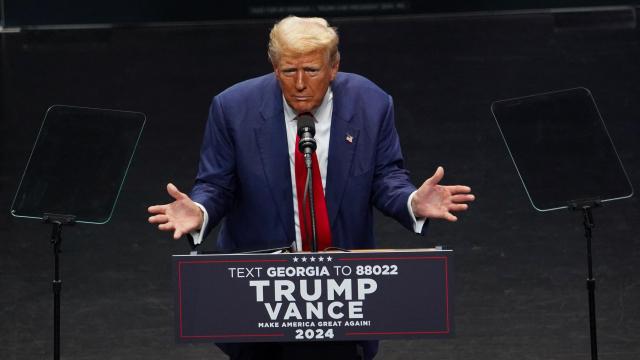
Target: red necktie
{"x": 323, "y": 231}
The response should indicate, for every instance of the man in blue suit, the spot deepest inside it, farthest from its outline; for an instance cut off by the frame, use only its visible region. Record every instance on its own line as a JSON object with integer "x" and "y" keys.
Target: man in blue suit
{"x": 246, "y": 176}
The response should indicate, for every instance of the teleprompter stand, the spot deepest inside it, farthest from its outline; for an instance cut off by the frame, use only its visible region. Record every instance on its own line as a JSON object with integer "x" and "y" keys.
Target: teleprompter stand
{"x": 585, "y": 206}
{"x": 77, "y": 166}
{"x": 565, "y": 159}
{"x": 57, "y": 222}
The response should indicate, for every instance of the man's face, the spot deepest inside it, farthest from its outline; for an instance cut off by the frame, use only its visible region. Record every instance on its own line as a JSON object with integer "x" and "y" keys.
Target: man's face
{"x": 304, "y": 79}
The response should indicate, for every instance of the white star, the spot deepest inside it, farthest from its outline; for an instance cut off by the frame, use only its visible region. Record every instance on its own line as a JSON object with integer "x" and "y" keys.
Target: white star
{"x": 313, "y": 259}
{"x": 329, "y": 258}
{"x": 321, "y": 259}
{"x": 295, "y": 259}
{"x": 304, "y": 259}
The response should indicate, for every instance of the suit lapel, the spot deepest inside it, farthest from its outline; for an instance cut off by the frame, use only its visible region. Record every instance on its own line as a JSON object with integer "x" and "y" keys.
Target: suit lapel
{"x": 271, "y": 137}
{"x": 342, "y": 144}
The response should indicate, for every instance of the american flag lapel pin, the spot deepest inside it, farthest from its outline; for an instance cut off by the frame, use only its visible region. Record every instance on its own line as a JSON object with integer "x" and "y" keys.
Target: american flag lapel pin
{"x": 349, "y": 138}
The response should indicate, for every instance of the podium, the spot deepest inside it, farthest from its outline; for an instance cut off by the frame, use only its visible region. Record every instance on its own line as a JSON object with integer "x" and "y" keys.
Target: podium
{"x": 314, "y": 297}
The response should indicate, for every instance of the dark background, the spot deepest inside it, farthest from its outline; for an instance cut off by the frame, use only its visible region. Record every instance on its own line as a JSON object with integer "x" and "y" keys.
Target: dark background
{"x": 520, "y": 291}
{"x": 43, "y": 13}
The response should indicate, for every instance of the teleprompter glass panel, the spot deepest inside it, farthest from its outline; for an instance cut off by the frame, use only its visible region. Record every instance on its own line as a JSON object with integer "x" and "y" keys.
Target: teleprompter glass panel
{"x": 561, "y": 148}
{"x": 78, "y": 163}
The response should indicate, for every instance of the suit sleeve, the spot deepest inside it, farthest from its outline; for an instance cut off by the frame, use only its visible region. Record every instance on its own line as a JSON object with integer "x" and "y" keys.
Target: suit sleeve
{"x": 391, "y": 184}
{"x": 215, "y": 183}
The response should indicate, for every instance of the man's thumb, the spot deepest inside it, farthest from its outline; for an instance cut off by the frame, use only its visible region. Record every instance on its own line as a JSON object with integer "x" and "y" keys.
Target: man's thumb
{"x": 437, "y": 176}
{"x": 174, "y": 192}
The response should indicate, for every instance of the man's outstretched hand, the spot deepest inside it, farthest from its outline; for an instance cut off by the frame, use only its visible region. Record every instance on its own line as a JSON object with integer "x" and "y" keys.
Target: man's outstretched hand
{"x": 439, "y": 201}
{"x": 181, "y": 216}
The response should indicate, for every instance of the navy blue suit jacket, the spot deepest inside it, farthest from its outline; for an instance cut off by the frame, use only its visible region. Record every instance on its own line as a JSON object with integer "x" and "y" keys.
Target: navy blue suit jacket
{"x": 244, "y": 178}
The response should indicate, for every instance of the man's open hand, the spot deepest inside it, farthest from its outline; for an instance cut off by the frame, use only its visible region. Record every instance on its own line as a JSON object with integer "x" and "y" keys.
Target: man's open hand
{"x": 439, "y": 201}
{"x": 181, "y": 216}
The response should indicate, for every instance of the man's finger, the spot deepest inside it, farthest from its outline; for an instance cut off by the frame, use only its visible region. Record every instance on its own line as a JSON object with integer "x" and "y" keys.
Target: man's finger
{"x": 157, "y": 209}
{"x": 437, "y": 176}
{"x": 458, "y": 207}
{"x": 175, "y": 193}
{"x": 448, "y": 216}
{"x": 461, "y": 198}
{"x": 166, "y": 226}
{"x": 458, "y": 189}
{"x": 158, "y": 219}
{"x": 177, "y": 234}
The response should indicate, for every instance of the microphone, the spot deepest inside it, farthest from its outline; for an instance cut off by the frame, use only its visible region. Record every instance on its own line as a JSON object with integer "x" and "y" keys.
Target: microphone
{"x": 306, "y": 130}
{"x": 307, "y": 145}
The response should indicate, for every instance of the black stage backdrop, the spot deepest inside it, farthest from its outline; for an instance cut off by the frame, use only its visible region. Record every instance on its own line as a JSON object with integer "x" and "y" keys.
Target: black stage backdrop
{"x": 30, "y": 13}
{"x": 520, "y": 274}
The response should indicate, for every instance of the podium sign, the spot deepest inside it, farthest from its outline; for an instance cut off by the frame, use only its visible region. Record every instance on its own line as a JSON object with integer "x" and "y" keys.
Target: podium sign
{"x": 329, "y": 296}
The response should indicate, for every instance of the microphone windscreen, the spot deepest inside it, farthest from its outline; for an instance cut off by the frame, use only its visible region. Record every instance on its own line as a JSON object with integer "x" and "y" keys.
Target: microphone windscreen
{"x": 306, "y": 123}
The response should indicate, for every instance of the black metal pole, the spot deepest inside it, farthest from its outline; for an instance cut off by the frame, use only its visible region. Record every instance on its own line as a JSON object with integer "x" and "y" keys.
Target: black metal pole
{"x": 56, "y": 240}
{"x": 591, "y": 282}
{"x": 57, "y": 221}
{"x": 314, "y": 235}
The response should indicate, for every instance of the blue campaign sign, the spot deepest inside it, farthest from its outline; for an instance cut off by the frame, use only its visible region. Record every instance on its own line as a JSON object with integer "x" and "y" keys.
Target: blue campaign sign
{"x": 329, "y": 296}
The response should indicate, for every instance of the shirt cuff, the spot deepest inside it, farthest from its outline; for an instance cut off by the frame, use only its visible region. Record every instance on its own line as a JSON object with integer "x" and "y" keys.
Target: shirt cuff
{"x": 197, "y": 234}
{"x": 418, "y": 224}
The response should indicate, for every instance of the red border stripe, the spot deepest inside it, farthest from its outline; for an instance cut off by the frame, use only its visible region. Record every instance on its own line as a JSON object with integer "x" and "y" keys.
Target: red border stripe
{"x": 397, "y": 332}
{"x": 395, "y": 258}
{"x": 230, "y": 335}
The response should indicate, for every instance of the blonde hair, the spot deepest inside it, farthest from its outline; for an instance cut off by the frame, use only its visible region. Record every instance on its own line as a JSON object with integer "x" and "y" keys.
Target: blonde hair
{"x": 299, "y": 36}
